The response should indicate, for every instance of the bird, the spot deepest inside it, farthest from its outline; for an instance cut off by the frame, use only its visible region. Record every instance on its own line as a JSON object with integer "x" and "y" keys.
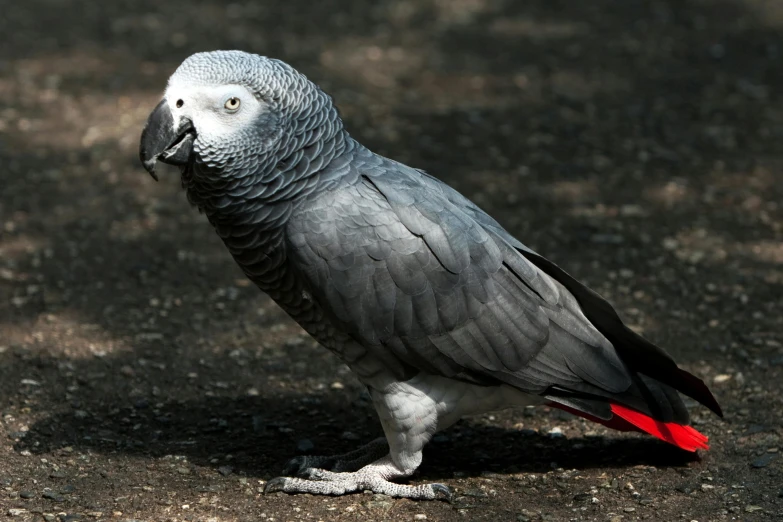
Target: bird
{"x": 437, "y": 309}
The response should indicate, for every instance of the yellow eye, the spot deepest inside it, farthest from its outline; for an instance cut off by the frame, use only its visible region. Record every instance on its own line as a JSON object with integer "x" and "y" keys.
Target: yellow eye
{"x": 232, "y": 104}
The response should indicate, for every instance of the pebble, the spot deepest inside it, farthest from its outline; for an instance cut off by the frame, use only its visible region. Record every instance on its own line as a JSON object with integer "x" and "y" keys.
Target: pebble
{"x": 763, "y": 461}
{"x": 16, "y": 512}
{"x": 305, "y": 445}
{"x": 26, "y": 494}
{"x": 70, "y": 517}
{"x": 53, "y": 495}
{"x": 719, "y": 379}
{"x": 225, "y": 470}
{"x": 419, "y": 516}
{"x": 753, "y": 509}
{"x": 182, "y": 470}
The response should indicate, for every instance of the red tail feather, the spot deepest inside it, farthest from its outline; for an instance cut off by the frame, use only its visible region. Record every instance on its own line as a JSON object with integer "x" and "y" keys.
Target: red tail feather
{"x": 681, "y": 436}
{"x": 626, "y": 419}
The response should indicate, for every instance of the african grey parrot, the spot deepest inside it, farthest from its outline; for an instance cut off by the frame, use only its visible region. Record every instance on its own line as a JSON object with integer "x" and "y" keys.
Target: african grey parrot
{"x": 437, "y": 309}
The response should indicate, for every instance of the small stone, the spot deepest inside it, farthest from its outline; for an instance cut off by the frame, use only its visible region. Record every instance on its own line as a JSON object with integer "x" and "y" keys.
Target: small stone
{"x": 763, "y": 461}
{"x": 68, "y": 488}
{"x": 73, "y": 517}
{"x": 16, "y": 512}
{"x": 26, "y": 494}
{"x": 305, "y": 445}
{"x": 419, "y": 516}
{"x": 225, "y": 470}
{"x": 684, "y": 488}
{"x": 182, "y": 470}
{"x": 337, "y": 385}
{"x": 556, "y": 433}
{"x": 753, "y": 509}
{"x": 57, "y": 474}
{"x": 629, "y": 509}
{"x": 720, "y": 379}
{"x": 53, "y": 495}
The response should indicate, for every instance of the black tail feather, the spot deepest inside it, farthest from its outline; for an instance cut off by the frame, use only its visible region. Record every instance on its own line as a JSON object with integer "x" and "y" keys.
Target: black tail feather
{"x": 638, "y": 353}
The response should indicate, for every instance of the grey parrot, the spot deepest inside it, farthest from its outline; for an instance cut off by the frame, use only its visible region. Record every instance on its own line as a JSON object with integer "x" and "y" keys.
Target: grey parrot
{"x": 435, "y": 307}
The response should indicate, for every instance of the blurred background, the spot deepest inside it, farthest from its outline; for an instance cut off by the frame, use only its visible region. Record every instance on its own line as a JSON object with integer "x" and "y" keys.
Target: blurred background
{"x": 635, "y": 143}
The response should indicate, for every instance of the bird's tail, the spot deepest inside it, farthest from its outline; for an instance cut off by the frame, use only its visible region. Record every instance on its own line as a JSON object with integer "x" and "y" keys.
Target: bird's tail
{"x": 628, "y": 419}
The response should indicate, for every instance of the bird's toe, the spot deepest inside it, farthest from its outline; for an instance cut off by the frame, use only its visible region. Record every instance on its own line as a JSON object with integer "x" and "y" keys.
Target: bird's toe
{"x": 274, "y": 485}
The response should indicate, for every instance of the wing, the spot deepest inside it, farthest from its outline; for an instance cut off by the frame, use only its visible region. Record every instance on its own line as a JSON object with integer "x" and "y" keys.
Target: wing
{"x": 405, "y": 270}
{"x": 640, "y": 355}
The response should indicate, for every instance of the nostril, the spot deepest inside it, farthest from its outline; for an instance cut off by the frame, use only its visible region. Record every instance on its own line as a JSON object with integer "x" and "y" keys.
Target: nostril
{"x": 180, "y": 103}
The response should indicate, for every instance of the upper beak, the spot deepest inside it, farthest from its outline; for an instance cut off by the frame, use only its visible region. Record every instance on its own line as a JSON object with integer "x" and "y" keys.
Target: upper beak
{"x": 161, "y": 141}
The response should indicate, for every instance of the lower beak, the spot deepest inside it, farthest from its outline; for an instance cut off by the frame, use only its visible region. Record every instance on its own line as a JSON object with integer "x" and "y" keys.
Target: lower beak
{"x": 161, "y": 141}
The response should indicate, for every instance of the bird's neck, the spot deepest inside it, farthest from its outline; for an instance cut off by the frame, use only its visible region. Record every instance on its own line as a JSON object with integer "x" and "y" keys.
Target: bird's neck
{"x": 265, "y": 195}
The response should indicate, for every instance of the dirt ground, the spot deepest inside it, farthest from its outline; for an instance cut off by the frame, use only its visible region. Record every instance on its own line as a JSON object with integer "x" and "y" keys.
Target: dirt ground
{"x": 635, "y": 143}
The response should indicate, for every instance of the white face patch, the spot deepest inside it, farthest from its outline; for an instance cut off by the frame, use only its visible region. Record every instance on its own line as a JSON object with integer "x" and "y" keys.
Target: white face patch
{"x": 215, "y": 110}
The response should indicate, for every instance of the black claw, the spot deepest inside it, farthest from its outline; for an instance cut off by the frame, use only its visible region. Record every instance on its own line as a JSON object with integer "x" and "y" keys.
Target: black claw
{"x": 274, "y": 485}
{"x": 442, "y": 492}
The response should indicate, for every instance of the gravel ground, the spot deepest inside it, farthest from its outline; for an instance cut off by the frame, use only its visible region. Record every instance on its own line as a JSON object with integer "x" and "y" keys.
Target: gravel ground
{"x": 636, "y": 143}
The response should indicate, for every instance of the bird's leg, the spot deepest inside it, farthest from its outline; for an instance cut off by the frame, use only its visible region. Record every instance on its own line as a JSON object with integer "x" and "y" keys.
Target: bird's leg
{"x": 351, "y": 461}
{"x": 374, "y": 477}
{"x": 409, "y": 416}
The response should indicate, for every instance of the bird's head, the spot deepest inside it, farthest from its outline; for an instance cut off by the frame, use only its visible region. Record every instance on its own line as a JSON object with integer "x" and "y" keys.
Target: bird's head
{"x": 226, "y": 110}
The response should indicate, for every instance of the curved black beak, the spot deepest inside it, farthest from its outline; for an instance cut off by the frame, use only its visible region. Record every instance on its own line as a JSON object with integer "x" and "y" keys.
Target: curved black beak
{"x": 161, "y": 141}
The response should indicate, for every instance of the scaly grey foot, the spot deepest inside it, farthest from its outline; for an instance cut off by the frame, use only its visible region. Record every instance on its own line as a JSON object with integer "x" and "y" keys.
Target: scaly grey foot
{"x": 374, "y": 477}
{"x": 351, "y": 461}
